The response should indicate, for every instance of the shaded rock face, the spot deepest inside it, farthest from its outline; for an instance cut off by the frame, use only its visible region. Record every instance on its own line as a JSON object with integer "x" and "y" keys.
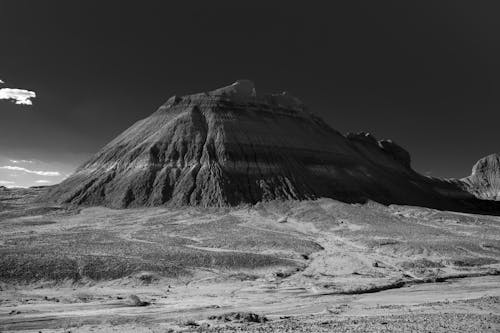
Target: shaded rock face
{"x": 231, "y": 146}
{"x": 484, "y": 182}
{"x": 374, "y": 149}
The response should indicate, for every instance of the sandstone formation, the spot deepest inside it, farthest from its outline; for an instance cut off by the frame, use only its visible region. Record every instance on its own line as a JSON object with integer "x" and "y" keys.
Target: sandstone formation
{"x": 484, "y": 182}
{"x": 231, "y": 146}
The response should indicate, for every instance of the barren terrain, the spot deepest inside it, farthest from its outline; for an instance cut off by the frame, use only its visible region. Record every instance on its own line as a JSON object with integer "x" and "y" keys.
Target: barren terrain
{"x": 310, "y": 266}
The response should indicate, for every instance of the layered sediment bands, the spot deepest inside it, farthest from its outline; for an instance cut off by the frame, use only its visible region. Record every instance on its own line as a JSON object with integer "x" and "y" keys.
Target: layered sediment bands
{"x": 231, "y": 146}
{"x": 484, "y": 182}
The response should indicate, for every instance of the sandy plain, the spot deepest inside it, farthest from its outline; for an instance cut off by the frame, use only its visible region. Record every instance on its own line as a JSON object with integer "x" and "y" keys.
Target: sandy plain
{"x": 307, "y": 266}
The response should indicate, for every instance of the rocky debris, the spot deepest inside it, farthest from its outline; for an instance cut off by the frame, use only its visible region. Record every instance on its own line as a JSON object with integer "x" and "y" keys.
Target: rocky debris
{"x": 133, "y": 300}
{"x": 241, "y": 317}
{"x": 283, "y": 219}
{"x": 283, "y": 274}
{"x": 146, "y": 277}
{"x": 51, "y": 299}
{"x": 472, "y": 261}
{"x": 231, "y": 146}
{"x": 191, "y": 323}
{"x": 420, "y": 264}
{"x": 484, "y": 182}
{"x": 410, "y": 321}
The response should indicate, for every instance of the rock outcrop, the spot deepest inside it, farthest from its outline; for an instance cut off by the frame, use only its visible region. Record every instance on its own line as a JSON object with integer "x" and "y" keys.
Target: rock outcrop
{"x": 484, "y": 182}
{"x": 231, "y": 146}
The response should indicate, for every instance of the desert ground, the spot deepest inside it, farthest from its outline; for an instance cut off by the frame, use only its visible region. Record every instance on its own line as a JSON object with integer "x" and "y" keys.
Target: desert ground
{"x": 281, "y": 266}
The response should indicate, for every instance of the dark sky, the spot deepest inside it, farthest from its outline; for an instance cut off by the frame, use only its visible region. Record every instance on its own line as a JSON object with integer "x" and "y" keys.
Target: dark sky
{"x": 423, "y": 73}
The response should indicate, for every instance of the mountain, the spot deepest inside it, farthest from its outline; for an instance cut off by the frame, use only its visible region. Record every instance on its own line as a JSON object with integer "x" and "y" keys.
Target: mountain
{"x": 484, "y": 182}
{"x": 231, "y": 146}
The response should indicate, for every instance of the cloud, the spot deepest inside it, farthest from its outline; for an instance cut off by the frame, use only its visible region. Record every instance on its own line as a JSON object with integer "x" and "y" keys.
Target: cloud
{"x": 6, "y": 182}
{"x": 40, "y": 173}
{"x": 42, "y": 181}
{"x": 1, "y": 82}
{"x": 21, "y": 161}
{"x": 18, "y": 96}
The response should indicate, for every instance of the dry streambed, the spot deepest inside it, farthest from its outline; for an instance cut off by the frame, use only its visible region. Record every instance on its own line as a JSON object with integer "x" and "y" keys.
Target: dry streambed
{"x": 456, "y": 304}
{"x": 62, "y": 267}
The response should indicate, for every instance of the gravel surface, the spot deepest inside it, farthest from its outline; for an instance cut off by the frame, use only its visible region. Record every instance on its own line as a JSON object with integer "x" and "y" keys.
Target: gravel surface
{"x": 441, "y": 322}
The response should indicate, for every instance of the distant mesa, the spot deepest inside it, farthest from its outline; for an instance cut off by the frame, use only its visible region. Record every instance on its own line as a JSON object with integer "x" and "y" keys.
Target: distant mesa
{"x": 484, "y": 182}
{"x": 231, "y": 146}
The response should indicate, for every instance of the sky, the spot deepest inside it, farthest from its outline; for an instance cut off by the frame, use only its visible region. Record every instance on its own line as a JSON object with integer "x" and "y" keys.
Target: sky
{"x": 75, "y": 74}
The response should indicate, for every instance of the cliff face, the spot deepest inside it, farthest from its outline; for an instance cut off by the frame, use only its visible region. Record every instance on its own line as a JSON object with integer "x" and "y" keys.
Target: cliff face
{"x": 484, "y": 182}
{"x": 230, "y": 146}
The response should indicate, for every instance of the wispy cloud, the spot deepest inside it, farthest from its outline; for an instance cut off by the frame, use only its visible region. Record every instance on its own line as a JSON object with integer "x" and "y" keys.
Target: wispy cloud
{"x": 6, "y": 182}
{"x": 18, "y": 96}
{"x": 1, "y": 82}
{"x": 42, "y": 181}
{"x": 36, "y": 172}
{"x": 21, "y": 161}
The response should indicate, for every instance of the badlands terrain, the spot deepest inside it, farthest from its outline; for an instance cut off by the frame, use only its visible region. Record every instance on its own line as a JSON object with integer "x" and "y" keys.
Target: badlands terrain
{"x": 227, "y": 211}
{"x": 279, "y": 266}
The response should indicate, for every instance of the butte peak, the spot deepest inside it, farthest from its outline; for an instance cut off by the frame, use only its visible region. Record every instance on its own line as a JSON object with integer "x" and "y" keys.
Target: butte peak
{"x": 241, "y": 92}
{"x": 230, "y": 146}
